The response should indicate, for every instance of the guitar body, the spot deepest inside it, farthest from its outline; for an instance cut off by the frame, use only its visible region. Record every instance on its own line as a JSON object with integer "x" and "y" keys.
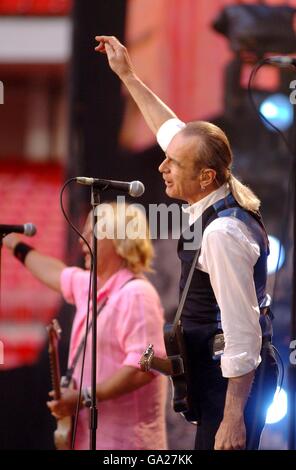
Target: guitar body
{"x": 63, "y": 432}
{"x": 176, "y": 351}
{"x": 174, "y": 365}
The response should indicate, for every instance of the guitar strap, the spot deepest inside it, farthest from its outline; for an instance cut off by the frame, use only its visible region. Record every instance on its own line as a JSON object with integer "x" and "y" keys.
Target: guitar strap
{"x": 216, "y": 209}
{"x": 184, "y": 293}
{"x": 70, "y": 371}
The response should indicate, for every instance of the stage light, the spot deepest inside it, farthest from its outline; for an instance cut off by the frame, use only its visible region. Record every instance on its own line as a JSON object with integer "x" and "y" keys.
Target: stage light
{"x": 277, "y": 255}
{"x": 278, "y": 110}
{"x": 279, "y": 407}
{"x": 258, "y": 28}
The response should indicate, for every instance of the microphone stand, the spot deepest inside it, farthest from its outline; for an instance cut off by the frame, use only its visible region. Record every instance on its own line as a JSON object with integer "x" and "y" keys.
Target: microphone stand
{"x": 93, "y": 412}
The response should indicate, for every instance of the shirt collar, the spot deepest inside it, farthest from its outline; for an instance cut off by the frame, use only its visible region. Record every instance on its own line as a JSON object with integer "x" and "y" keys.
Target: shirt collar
{"x": 115, "y": 282}
{"x": 195, "y": 210}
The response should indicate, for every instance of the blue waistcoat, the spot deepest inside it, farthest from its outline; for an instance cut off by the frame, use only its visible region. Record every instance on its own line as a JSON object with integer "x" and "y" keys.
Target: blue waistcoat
{"x": 201, "y": 312}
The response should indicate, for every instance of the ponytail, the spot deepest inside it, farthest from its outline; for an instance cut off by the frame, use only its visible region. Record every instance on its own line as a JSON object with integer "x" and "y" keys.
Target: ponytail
{"x": 243, "y": 195}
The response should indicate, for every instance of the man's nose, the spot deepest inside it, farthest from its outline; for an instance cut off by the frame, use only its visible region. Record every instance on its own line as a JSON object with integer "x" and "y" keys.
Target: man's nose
{"x": 163, "y": 166}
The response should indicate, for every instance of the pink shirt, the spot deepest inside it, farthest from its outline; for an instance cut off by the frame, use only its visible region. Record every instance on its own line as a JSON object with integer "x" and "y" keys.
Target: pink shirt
{"x": 131, "y": 319}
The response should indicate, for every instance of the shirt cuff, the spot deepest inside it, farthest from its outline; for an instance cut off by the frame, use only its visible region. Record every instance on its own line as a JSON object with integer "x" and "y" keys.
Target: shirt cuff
{"x": 167, "y": 131}
{"x": 241, "y": 364}
{"x": 132, "y": 359}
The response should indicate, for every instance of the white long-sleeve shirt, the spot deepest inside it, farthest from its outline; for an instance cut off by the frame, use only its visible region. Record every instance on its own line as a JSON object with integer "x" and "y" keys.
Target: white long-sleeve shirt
{"x": 229, "y": 254}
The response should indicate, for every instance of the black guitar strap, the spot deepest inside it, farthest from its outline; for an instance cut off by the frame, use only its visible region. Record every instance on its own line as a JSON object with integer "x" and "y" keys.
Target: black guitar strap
{"x": 184, "y": 293}
{"x": 213, "y": 210}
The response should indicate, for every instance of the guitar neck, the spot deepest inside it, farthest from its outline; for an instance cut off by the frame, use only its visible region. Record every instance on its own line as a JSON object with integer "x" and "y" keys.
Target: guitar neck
{"x": 55, "y": 369}
{"x": 164, "y": 366}
{"x": 172, "y": 365}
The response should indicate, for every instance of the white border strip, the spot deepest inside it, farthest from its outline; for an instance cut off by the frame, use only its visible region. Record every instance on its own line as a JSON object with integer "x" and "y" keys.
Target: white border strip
{"x": 35, "y": 40}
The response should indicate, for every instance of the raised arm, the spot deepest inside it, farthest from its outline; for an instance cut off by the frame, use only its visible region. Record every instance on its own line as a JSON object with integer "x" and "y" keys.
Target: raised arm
{"x": 45, "y": 268}
{"x": 154, "y": 111}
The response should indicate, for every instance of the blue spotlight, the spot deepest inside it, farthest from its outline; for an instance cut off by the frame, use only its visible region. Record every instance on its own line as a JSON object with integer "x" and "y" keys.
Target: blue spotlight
{"x": 277, "y": 255}
{"x": 279, "y": 407}
{"x": 278, "y": 110}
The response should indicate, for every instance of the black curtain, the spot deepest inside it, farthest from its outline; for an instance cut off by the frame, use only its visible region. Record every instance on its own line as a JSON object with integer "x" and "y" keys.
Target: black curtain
{"x": 95, "y": 100}
{"x": 96, "y": 108}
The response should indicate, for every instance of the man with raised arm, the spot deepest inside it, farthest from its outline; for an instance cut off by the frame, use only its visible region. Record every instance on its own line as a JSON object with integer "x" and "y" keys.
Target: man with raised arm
{"x": 228, "y": 289}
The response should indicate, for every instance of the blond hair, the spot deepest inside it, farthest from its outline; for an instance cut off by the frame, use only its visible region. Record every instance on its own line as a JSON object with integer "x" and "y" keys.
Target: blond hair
{"x": 134, "y": 245}
{"x": 213, "y": 151}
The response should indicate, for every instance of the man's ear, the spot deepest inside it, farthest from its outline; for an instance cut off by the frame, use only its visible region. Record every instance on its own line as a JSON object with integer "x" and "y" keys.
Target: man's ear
{"x": 207, "y": 177}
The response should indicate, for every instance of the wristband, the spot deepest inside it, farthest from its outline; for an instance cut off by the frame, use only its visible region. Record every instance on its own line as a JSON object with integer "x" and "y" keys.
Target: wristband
{"x": 21, "y": 250}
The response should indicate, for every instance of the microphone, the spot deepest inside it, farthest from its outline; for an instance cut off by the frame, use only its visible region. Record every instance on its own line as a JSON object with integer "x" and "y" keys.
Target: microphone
{"x": 134, "y": 188}
{"x": 27, "y": 229}
{"x": 281, "y": 60}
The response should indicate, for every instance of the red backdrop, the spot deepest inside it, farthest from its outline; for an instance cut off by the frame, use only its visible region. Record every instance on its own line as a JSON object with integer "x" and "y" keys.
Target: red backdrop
{"x": 178, "y": 54}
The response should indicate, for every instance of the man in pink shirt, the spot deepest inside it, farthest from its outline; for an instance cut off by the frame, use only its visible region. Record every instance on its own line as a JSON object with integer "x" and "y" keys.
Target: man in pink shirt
{"x": 131, "y": 403}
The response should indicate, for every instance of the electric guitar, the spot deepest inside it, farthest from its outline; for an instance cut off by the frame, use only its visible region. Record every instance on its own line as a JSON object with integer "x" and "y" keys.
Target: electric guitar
{"x": 175, "y": 366}
{"x": 63, "y": 432}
